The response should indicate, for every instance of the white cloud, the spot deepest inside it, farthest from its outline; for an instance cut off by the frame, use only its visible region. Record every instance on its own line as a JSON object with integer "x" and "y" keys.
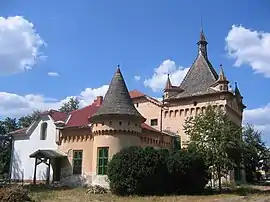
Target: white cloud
{"x": 54, "y": 74}
{"x": 249, "y": 47}
{"x": 19, "y": 45}
{"x": 89, "y": 94}
{"x": 14, "y": 105}
{"x": 260, "y": 118}
{"x": 159, "y": 78}
{"x": 137, "y": 78}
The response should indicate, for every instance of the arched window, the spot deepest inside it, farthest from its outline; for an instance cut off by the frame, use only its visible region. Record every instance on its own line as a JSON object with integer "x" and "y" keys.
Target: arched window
{"x": 43, "y": 132}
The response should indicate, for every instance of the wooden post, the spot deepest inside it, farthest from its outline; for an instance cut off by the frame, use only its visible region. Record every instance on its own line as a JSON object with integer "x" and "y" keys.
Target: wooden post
{"x": 48, "y": 173}
{"x": 35, "y": 171}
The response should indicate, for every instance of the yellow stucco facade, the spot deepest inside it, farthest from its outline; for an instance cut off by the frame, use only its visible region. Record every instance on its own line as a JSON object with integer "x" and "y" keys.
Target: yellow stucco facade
{"x": 122, "y": 121}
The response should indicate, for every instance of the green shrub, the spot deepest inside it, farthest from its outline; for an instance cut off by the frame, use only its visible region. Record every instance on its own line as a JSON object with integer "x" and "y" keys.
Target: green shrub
{"x": 187, "y": 172}
{"x": 137, "y": 171}
{"x": 148, "y": 171}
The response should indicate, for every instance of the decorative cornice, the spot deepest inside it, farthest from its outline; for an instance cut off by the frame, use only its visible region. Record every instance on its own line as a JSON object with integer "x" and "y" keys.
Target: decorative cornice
{"x": 114, "y": 132}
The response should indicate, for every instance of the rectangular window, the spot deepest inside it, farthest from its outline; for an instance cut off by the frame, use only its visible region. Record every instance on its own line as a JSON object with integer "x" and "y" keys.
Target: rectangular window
{"x": 102, "y": 164}
{"x": 154, "y": 122}
{"x": 77, "y": 162}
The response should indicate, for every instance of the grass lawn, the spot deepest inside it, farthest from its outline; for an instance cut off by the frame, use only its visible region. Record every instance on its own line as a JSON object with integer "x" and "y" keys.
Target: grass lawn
{"x": 79, "y": 195}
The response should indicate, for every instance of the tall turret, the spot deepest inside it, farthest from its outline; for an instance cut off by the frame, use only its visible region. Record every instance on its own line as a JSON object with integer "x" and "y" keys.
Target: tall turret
{"x": 116, "y": 124}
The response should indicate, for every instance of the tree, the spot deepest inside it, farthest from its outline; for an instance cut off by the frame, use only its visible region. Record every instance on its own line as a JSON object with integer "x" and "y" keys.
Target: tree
{"x": 25, "y": 121}
{"x": 256, "y": 154}
{"x": 217, "y": 138}
{"x": 70, "y": 106}
{"x": 7, "y": 125}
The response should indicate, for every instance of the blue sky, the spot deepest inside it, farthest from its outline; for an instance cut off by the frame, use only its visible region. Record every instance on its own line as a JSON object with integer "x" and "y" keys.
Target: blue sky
{"x": 85, "y": 40}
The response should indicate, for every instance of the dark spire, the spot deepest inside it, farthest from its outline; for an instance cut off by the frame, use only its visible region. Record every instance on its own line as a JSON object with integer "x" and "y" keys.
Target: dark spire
{"x": 237, "y": 91}
{"x": 168, "y": 83}
{"x": 222, "y": 76}
{"x": 202, "y": 43}
{"x": 117, "y": 100}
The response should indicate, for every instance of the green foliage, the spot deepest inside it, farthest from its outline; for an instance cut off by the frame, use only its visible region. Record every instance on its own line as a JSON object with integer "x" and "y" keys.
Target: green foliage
{"x": 136, "y": 171}
{"x": 71, "y": 105}
{"x": 25, "y": 121}
{"x": 187, "y": 172}
{"x": 139, "y": 171}
{"x": 256, "y": 155}
{"x": 217, "y": 138}
{"x": 7, "y": 125}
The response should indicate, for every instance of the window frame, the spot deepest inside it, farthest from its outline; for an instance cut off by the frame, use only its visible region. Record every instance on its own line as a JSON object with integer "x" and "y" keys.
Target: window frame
{"x": 43, "y": 131}
{"x": 74, "y": 158}
{"x": 102, "y": 168}
{"x": 153, "y": 120}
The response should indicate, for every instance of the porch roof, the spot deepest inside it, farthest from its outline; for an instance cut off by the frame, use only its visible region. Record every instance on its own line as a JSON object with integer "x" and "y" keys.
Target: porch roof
{"x": 47, "y": 153}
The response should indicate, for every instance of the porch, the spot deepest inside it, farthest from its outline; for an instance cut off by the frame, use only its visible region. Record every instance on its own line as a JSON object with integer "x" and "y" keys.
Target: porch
{"x": 51, "y": 158}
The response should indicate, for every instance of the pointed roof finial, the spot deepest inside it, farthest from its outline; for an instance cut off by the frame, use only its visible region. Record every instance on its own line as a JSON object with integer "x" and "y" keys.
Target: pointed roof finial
{"x": 168, "y": 83}
{"x": 118, "y": 68}
{"x": 201, "y": 24}
{"x": 236, "y": 89}
{"x": 222, "y": 76}
{"x": 202, "y": 36}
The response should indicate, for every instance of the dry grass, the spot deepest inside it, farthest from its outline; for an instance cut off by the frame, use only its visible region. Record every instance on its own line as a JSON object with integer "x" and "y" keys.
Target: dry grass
{"x": 79, "y": 195}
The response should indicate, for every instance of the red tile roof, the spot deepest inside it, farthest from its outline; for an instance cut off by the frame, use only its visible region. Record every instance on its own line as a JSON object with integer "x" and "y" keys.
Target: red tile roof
{"x": 56, "y": 115}
{"x": 80, "y": 117}
{"x": 19, "y": 131}
{"x": 147, "y": 127}
{"x": 136, "y": 94}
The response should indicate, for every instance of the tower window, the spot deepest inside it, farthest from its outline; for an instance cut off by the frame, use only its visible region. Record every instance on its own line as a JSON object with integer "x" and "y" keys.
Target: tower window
{"x": 103, "y": 153}
{"x": 43, "y": 132}
{"x": 154, "y": 122}
{"x": 137, "y": 104}
{"x": 77, "y": 162}
{"x": 120, "y": 123}
{"x": 110, "y": 122}
{"x": 194, "y": 103}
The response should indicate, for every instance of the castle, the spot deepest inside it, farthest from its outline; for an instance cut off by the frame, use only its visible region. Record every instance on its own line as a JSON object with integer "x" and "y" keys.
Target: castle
{"x": 75, "y": 148}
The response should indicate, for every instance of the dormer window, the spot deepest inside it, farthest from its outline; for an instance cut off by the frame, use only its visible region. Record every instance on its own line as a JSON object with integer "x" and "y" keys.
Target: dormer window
{"x": 43, "y": 131}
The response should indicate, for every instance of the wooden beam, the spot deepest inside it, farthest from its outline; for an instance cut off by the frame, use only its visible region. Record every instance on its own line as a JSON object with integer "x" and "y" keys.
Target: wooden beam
{"x": 48, "y": 173}
{"x": 35, "y": 171}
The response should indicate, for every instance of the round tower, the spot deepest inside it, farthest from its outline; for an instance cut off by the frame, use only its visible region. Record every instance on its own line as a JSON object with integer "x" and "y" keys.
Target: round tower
{"x": 116, "y": 124}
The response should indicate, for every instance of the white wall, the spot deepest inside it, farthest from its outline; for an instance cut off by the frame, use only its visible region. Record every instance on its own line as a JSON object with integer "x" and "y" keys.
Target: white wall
{"x": 22, "y": 166}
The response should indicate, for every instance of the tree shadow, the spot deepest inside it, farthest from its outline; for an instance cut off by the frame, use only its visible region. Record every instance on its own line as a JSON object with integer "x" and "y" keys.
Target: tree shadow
{"x": 45, "y": 188}
{"x": 240, "y": 191}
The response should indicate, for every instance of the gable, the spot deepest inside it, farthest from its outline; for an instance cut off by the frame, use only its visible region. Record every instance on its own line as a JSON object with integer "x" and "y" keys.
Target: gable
{"x": 200, "y": 77}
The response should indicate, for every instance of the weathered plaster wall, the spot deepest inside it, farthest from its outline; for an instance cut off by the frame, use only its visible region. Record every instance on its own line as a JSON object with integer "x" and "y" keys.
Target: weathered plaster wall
{"x": 22, "y": 166}
{"x": 148, "y": 110}
{"x": 77, "y": 139}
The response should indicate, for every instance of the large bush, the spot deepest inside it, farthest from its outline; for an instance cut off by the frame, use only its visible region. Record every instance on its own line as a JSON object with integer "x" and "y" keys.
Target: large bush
{"x": 187, "y": 172}
{"x": 139, "y": 171}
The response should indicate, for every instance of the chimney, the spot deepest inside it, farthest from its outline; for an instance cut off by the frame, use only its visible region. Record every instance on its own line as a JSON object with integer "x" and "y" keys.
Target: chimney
{"x": 99, "y": 100}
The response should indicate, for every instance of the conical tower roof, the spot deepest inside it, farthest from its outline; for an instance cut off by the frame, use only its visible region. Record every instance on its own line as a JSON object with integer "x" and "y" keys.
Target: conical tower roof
{"x": 117, "y": 100}
{"x": 168, "y": 84}
{"x": 222, "y": 77}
